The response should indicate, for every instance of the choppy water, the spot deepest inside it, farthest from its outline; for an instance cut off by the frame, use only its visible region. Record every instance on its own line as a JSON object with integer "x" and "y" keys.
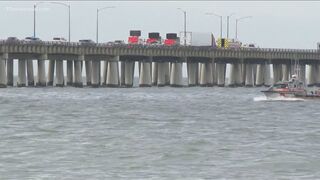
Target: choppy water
{"x": 156, "y": 133}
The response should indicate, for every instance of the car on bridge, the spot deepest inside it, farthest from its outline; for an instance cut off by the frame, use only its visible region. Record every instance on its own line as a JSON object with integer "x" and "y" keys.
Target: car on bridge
{"x": 12, "y": 40}
{"x": 87, "y": 42}
{"x": 33, "y": 40}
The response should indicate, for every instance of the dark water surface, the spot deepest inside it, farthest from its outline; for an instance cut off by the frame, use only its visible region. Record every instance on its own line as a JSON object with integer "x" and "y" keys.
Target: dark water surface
{"x": 156, "y": 133}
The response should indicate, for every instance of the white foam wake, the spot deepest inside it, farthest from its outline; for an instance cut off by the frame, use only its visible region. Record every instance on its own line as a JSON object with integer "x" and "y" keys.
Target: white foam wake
{"x": 280, "y": 98}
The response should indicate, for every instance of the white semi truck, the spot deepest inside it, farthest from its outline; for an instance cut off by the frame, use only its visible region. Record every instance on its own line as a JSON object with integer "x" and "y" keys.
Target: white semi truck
{"x": 197, "y": 39}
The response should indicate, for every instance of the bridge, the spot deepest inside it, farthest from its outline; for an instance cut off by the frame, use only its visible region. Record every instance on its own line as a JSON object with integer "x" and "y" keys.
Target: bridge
{"x": 158, "y": 65}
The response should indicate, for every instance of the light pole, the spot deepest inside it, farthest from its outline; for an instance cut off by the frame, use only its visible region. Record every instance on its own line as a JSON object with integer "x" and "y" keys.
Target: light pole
{"x": 228, "y": 17}
{"x": 220, "y": 21}
{"x": 34, "y": 16}
{"x": 237, "y": 20}
{"x": 185, "y": 25}
{"x": 98, "y": 10}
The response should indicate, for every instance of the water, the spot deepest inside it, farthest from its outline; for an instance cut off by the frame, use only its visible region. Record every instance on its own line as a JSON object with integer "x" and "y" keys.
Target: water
{"x": 156, "y": 133}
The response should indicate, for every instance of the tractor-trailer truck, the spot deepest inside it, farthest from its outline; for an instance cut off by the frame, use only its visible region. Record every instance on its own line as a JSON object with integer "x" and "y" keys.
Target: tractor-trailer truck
{"x": 197, "y": 39}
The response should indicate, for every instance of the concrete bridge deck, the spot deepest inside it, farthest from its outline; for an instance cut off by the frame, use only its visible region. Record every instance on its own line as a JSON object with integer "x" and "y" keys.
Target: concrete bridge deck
{"x": 158, "y": 65}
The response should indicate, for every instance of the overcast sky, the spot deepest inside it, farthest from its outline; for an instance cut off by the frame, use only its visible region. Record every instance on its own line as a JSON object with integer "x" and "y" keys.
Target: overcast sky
{"x": 274, "y": 24}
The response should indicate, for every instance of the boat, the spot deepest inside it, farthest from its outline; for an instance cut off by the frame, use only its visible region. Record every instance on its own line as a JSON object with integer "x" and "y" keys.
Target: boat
{"x": 292, "y": 88}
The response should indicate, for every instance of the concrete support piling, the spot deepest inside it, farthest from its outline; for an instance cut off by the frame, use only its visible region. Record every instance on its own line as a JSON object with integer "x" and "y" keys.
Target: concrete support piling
{"x": 154, "y": 73}
{"x": 176, "y": 75}
{"x": 70, "y": 73}
{"x": 317, "y": 75}
{"x": 10, "y": 72}
{"x": 260, "y": 75}
{"x": 267, "y": 75}
{"x": 249, "y": 76}
{"x": 51, "y": 72}
{"x": 129, "y": 73}
{"x": 220, "y": 74}
{"x": 209, "y": 74}
{"x": 238, "y": 75}
{"x": 88, "y": 65}
{"x": 161, "y": 81}
{"x": 145, "y": 74}
{"x": 233, "y": 75}
{"x": 311, "y": 79}
{"x": 277, "y": 72}
{"x": 123, "y": 76}
{"x": 214, "y": 73}
{"x": 113, "y": 74}
{"x": 285, "y": 72}
{"x": 302, "y": 74}
{"x": 3, "y": 73}
{"x": 78, "y": 72}
{"x": 167, "y": 72}
{"x": 22, "y": 81}
{"x": 95, "y": 81}
{"x": 41, "y": 73}
{"x": 192, "y": 73}
{"x": 203, "y": 75}
{"x": 59, "y": 73}
{"x": 104, "y": 73}
{"x": 30, "y": 73}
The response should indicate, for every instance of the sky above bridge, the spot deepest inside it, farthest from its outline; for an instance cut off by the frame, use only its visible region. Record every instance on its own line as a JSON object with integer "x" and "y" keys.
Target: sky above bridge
{"x": 287, "y": 24}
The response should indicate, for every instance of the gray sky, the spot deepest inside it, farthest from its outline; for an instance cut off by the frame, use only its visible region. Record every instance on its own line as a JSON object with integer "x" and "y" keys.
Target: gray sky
{"x": 274, "y": 24}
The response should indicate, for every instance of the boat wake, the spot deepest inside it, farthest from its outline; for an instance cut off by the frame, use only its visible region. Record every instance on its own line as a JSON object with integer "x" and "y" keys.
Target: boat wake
{"x": 280, "y": 98}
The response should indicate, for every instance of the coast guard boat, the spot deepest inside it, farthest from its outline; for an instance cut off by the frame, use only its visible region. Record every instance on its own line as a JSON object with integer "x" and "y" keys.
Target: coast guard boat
{"x": 292, "y": 88}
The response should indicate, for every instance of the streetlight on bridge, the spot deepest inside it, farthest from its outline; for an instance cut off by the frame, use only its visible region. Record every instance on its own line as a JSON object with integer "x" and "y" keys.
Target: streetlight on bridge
{"x": 228, "y": 18}
{"x": 99, "y": 10}
{"x": 237, "y": 20}
{"x": 59, "y": 3}
{"x": 185, "y": 25}
{"x": 217, "y": 15}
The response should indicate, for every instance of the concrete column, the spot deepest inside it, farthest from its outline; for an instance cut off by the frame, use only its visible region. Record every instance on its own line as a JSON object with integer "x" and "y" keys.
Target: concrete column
{"x": 192, "y": 74}
{"x": 59, "y": 73}
{"x": 123, "y": 76}
{"x": 238, "y": 74}
{"x": 209, "y": 74}
{"x": 167, "y": 72}
{"x": 249, "y": 75}
{"x": 95, "y": 81}
{"x": 129, "y": 73}
{"x": 302, "y": 74}
{"x": 30, "y": 73}
{"x": 277, "y": 72}
{"x": 176, "y": 75}
{"x": 145, "y": 74}
{"x": 41, "y": 73}
{"x": 104, "y": 73}
{"x": 154, "y": 73}
{"x": 113, "y": 74}
{"x": 285, "y": 72}
{"x": 317, "y": 75}
{"x": 220, "y": 74}
{"x": 243, "y": 73}
{"x": 22, "y": 80}
{"x": 161, "y": 81}
{"x": 88, "y": 72}
{"x": 70, "y": 73}
{"x": 3, "y": 73}
{"x": 260, "y": 75}
{"x": 10, "y": 72}
{"x": 78, "y": 72}
{"x": 233, "y": 75}
{"x": 214, "y": 73}
{"x": 51, "y": 72}
{"x": 267, "y": 75}
{"x": 203, "y": 75}
{"x": 311, "y": 75}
